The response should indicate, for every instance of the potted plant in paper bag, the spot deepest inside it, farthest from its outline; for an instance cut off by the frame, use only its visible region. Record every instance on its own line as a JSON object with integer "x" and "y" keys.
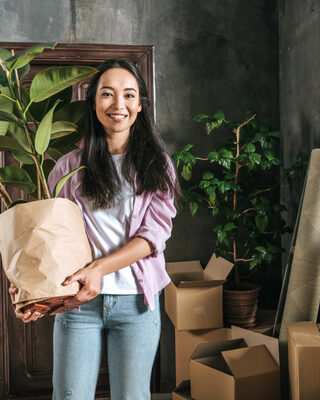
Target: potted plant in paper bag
{"x": 237, "y": 186}
{"x": 42, "y": 237}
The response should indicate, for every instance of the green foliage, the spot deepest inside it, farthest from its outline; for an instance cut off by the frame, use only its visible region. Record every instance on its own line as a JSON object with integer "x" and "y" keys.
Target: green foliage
{"x": 238, "y": 187}
{"x": 39, "y": 125}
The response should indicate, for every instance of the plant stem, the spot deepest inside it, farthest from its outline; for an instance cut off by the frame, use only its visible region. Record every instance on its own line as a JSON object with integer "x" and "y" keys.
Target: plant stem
{"x": 235, "y": 193}
{"x": 5, "y": 197}
{"x": 7, "y": 97}
{"x": 44, "y": 184}
{"x": 17, "y": 77}
{"x": 4, "y": 200}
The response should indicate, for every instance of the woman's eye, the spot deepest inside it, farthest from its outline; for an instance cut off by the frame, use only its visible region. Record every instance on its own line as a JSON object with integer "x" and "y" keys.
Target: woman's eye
{"x": 129, "y": 96}
{"x": 106, "y": 94}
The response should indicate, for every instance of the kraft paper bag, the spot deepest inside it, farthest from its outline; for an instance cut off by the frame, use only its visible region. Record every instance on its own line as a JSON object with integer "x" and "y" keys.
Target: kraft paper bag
{"x": 41, "y": 243}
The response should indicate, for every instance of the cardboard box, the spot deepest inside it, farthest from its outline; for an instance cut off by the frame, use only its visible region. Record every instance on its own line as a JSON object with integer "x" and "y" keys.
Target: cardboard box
{"x": 304, "y": 360}
{"x": 193, "y": 300}
{"x": 182, "y": 391}
{"x": 235, "y": 370}
{"x": 187, "y": 341}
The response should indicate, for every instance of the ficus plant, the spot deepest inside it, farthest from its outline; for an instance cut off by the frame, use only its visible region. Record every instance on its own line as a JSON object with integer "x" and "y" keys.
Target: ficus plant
{"x": 37, "y": 125}
{"x": 238, "y": 186}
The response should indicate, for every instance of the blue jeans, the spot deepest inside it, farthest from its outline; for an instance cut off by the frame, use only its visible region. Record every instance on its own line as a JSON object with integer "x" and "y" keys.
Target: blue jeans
{"x": 132, "y": 334}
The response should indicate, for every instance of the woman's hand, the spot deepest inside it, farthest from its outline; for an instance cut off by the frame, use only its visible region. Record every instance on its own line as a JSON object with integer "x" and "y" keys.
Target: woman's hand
{"x": 90, "y": 279}
{"x": 27, "y": 316}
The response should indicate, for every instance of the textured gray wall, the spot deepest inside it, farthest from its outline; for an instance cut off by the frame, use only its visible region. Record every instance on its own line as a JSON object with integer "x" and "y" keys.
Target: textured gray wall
{"x": 209, "y": 54}
{"x": 299, "y": 87}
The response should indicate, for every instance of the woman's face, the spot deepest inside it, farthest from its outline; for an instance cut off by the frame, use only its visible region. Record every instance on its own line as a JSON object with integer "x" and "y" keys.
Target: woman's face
{"x": 117, "y": 101}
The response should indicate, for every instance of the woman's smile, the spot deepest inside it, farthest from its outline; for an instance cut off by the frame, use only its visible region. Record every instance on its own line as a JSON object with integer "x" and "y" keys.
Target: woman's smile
{"x": 117, "y": 117}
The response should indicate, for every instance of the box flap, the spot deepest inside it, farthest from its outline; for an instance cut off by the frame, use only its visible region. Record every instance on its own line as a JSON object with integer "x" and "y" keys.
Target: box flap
{"x": 196, "y": 284}
{"x": 211, "y": 349}
{"x": 254, "y": 339}
{"x": 250, "y": 361}
{"x": 183, "y": 266}
{"x": 218, "y": 268}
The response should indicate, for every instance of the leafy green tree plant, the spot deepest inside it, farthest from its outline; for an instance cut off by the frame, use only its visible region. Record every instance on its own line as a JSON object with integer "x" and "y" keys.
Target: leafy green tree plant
{"x": 39, "y": 125}
{"x": 238, "y": 187}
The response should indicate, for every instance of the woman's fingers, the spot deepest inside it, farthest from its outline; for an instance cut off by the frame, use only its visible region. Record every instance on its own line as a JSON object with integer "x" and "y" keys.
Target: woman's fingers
{"x": 12, "y": 291}
{"x": 27, "y": 316}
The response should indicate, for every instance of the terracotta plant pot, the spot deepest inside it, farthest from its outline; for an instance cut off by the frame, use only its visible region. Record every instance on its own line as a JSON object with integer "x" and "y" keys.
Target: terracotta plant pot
{"x": 240, "y": 306}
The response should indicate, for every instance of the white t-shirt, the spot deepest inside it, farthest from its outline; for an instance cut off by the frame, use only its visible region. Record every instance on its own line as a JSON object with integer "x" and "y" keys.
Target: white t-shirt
{"x": 109, "y": 231}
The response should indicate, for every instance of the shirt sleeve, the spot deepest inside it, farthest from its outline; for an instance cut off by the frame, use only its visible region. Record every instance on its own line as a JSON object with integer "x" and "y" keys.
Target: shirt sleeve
{"x": 156, "y": 225}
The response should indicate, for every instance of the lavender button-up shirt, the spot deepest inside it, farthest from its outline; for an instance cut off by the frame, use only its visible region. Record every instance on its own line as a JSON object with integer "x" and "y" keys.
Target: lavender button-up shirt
{"x": 151, "y": 219}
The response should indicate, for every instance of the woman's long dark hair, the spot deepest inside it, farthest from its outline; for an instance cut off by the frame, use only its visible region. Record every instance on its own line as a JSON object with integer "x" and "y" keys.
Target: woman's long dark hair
{"x": 145, "y": 160}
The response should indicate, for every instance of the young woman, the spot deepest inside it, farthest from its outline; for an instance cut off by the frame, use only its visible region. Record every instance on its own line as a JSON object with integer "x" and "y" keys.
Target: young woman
{"x": 126, "y": 195}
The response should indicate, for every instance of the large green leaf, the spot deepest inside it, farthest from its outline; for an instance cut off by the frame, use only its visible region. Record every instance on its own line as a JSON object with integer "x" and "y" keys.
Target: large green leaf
{"x": 62, "y": 128}
{"x": 54, "y": 79}
{"x": 7, "y": 143}
{"x": 25, "y": 56}
{"x": 66, "y": 143}
{"x": 23, "y": 157}
{"x": 72, "y": 112}
{"x": 16, "y": 132}
{"x": 39, "y": 110}
{"x": 43, "y": 133}
{"x": 7, "y": 106}
{"x": 63, "y": 180}
{"x": 17, "y": 177}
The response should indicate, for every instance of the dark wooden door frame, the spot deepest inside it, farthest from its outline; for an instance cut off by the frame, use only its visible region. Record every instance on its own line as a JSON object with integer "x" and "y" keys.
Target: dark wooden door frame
{"x": 93, "y": 55}
{"x": 65, "y": 54}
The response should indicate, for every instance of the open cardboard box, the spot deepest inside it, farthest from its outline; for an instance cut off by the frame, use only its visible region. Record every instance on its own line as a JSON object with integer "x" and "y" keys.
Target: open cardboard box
{"x": 187, "y": 341}
{"x": 304, "y": 360}
{"x": 244, "y": 368}
{"x": 193, "y": 300}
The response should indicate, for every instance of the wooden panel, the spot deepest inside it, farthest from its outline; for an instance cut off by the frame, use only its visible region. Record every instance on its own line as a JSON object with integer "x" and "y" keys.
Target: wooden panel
{"x": 26, "y": 349}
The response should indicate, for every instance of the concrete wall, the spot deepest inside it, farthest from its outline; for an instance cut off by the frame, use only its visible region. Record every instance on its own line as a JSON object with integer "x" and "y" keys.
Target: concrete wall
{"x": 299, "y": 59}
{"x": 209, "y": 54}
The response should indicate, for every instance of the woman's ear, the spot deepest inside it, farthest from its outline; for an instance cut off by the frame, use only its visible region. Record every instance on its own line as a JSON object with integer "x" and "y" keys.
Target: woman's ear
{"x": 139, "y": 107}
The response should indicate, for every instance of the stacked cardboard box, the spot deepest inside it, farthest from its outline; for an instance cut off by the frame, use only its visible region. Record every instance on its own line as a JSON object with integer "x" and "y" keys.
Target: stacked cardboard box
{"x": 193, "y": 302}
{"x": 304, "y": 360}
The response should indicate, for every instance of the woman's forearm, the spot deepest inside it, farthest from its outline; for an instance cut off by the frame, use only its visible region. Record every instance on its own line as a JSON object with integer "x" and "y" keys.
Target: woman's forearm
{"x": 131, "y": 252}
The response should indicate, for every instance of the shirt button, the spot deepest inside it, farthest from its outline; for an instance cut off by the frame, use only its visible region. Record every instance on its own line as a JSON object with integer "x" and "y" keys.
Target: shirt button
{"x": 134, "y": 215}
{"x": 140, "y": 280}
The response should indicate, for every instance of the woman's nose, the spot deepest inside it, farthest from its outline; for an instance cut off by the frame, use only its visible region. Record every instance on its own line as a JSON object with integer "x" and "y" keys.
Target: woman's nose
{"x": 118, "y": 102}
